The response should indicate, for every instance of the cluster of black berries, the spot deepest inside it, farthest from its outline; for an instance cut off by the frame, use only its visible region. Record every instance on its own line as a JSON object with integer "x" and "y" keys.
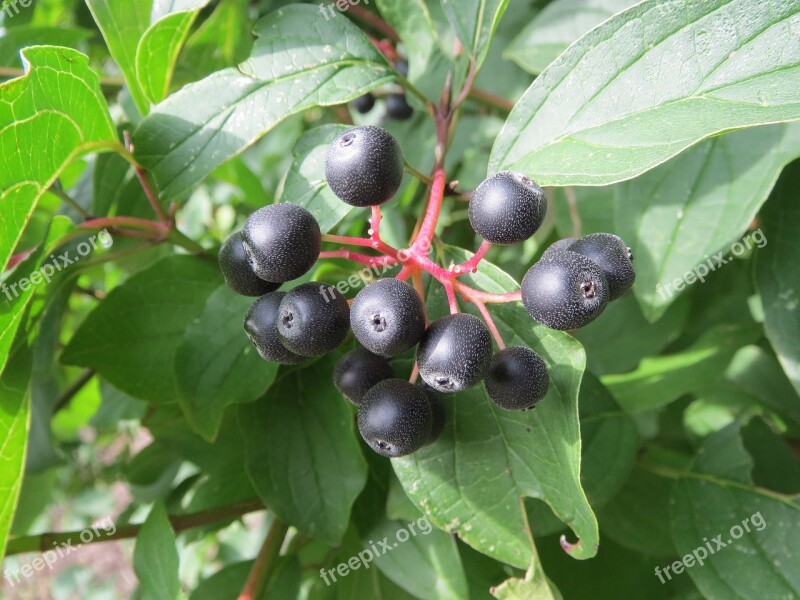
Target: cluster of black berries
{"x": 397, "y": 107}
{"x": 364, "y": 166}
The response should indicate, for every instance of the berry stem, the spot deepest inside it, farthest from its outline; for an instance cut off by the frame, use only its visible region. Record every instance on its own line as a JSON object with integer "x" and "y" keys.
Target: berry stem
{"x": 451, "y": 296}
{"x": 472, "y": 264}
{"x": 472, "y": 294}
{"x": 428, "y": 228}
{"x": 372, "y": 261}
{"x": 419, "y": 175}
{"x": 404, "y": 273}
{"x": 132, "y": 222}
{"x": 414, "y": 373}
{"x": 264, "y": 565}
{"x": 487, "y": 317}
{"x": 141, "y": 175}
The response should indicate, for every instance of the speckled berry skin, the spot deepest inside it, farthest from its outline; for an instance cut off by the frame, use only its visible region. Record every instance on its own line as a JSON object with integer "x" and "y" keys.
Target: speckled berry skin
{"x": 454, "y": 353}
{"x": 388, "y": 317}
{"x": 560, "y": 245}
{"x": 364, "y": 166}
{"x": 359, "y": 371}
{"x": 564, "y": 290}
{"x": 282, "y": 242}
{"x": 237, "y": 272}
{"x": 517, "y": 378}
{"x": 613, "y": 256}
{"x": 260, "y": 324}
{"x": 313, "y": 319}
{"x": 363, "y": 104}
{"x": 398, "y": 108}
{"x": 438, "y": 413}
{"x": 507, "y": 208}
{"x": 395, "y": 418}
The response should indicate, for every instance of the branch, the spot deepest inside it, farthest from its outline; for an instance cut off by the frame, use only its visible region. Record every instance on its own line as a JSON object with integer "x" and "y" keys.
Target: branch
{"x": 264, "y": 565}
{"x": 374, "y": 21}
{"x": 73, "y": 390}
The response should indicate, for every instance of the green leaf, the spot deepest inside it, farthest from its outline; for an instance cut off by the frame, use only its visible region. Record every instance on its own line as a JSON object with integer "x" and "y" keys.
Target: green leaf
{"x": 158, "y": 49}
{"x": 155, "y": 558}
{"x": 312, "y": 469}
{"x": 665, "y": 215}
{"x": 13, "y": 40}
{"x": 533, "y": 587}
{"x": 473, "y": 479}
{"x": 56, "y": 106}
{"x": 716, "y": 499}
{"x": 299, "y": 61}
{"x": 558, "y": 25}
{"x": 133, "y": 336}
{"x": 650, "y": 82}
{"x": 14, "y": 422}
{"x": 123, "y": 24}
{"x": 475, "y": 22}
{"x": 777, "y": 273}
{"x": 216, "y": 365}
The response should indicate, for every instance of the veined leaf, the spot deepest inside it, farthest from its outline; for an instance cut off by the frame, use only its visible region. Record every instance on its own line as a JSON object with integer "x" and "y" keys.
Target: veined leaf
{"x": 475, "y": 22}
{"x": 155, "y": 558}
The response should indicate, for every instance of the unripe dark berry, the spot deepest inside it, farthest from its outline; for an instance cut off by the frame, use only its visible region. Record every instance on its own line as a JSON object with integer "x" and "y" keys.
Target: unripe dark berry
{"x": 560, "y": 245}
{"x": 395, "y": 418}
{"x": 507, "y": 208}
{"x": 282, "y": 241}
{"x": 313, "y": 319}
{"x": 237, "y": 271}
{"x": 454, "y": 352}
{"x": 388, "y": 317}
{"x": 613, "y": 256}
{"x": 438, "y": 413}
{"x": 260, "y": 324}
{"x": 358, "y": 371}
{"x": 564, "y": 290}
{"x": 363, "y": 104}
{"x": 517, "y": 378}
{"x": 364, "y": 166}
{"x": 398, "y": 108}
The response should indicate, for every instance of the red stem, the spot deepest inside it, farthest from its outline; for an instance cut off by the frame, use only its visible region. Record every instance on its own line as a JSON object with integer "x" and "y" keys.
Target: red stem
{"x": 433, "y": 211}
{"x": 451, "y": 296}
{"x": 372, "y": 261}
{"x": 487, "y": 317}
{"x": 471, "y": 266}
{"x": 133, "y": 222}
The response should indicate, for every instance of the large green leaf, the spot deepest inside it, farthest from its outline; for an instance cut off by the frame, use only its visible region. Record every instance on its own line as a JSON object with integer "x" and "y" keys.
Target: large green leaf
{"x": 475, "y": 22}
{"x": 299, "y": 61}
{"x": 122, "y": 25}
{"x": 683, "y": 218}
{"x": 157, "y": 50}
{"x": 216, "y": 365}
{"x": 133, "y": 336}
{"x": 155, "y": 558}
{"x": 48, "y": 117}
{"x": 473, "y": 479}
{"x": 302, "y": 454}
{"x": 650, "y": 82}
{"x": 778, "y": 273}
{"x": 558, "y": 25}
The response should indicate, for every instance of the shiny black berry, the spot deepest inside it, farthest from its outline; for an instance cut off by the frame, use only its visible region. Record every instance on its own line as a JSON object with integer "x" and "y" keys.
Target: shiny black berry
{"x": 282, "y": 241}
{"x": 388, "y": 317}
{"x": 363, "y": 104}
{"x": 364, "y": 166}
{"x": 395, "y": 418}
{"x": 560, "y": 245}
{"x": 398, "y": 108}
{"x": 517, "y": 378}
{"x": 237, "y": 271}
{"x": 564, "y": 290}
{"x": 613, "y": 256}
{"x": 438, "y": 413}
{"x": 313, "y": 319}
{"x": 507, "y": 208}
{"x": 260, "y": 324}
{"x": 358, "y": 371}
{"x": 454, "y": 353}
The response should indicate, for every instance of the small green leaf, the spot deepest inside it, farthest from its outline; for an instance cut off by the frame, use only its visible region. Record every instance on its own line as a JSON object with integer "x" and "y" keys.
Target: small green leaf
{"x": 13, "y": 40}
{"x": 198, "y": 128}
{"x": 650, "y": 82}
{"x": 777, "y": 273}
{"x": 475, "y": 22}
{"x": 311, "y": 470}
{"x": 155, "y": 558}
{"x": 216, "y": 365}
{"x": 132, "y": 337}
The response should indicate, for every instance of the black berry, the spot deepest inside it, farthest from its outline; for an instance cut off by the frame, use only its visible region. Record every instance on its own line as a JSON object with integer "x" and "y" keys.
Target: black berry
{"x": 364, "y": 166}
{"x": 282, "y": 241}
{"x": 613, "y": 256}
{"x": 363, "y": 104}
{"x": 564, "y": 290}
{"x": 401, "y": 66}
{"x": 560, "y": 245}
{"x": 395, "y": 418}
{"x": 260, "y": 324}
{"x": 358, "y": 371}
{"x": 388, "y": 317}
{"x": 313, "y": 319}
{"x": 507, "y": 208}
{"x": 517, "y": 378}
{"x": 454, "y": 353}
{"x": 237, "y": 271}
{"x": 398, "y": 108}
{"x": 438, "y": 413}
